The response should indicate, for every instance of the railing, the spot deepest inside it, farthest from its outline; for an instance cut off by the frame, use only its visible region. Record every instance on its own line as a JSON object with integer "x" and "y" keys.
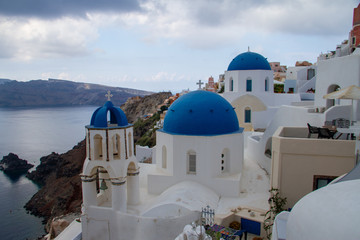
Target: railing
{"x": 207, "y": 216}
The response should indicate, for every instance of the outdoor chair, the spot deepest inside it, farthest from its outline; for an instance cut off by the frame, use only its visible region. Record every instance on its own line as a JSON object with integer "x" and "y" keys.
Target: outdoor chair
{"x": 312, "y": 130}
{"x": 326, "y": 133}
{"x": 341, "y": 123}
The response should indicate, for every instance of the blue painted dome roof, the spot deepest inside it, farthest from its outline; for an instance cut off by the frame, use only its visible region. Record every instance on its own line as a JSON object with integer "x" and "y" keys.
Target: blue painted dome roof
{"x": 249, "y": 61}
{"x": 117, "y": 116}
{"x": 201, "y": 113}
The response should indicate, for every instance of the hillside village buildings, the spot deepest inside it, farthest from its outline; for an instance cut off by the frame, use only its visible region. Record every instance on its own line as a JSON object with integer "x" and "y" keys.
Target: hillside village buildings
{"x": 207, "y": 154}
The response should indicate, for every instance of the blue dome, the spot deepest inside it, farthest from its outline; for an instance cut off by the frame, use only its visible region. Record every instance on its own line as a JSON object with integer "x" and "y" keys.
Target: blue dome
{"x": 201, "y": 113}
{"x": 117, "y": 116}
{"x": 249, "y": 61}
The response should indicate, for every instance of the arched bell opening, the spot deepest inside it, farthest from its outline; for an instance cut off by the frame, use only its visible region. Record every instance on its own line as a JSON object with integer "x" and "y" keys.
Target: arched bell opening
{"x": 97, "y": 188}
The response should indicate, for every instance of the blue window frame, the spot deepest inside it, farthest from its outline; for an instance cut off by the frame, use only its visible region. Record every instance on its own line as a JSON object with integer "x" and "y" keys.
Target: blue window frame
{"x": 249, "y": 85}
{"x": 231, "y": 85}
{"x": 266, "y": 85}
{"x": 247, "y": 115}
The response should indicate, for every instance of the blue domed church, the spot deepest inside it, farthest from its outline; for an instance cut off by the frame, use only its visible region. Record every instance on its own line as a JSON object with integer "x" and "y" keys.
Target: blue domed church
{"x": 249, "y": 87}
{"x": 201, "y": 141}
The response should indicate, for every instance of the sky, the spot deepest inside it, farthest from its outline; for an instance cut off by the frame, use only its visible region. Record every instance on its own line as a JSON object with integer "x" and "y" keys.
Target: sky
{"x": 161, "y": 45}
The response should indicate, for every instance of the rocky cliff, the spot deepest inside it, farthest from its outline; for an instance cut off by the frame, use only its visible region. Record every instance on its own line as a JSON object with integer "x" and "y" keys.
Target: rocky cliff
{"x": 137, "y": 107}
{"x": 58, "y": 174}
{"x": 55, "y": 92}
{"x": 61, "y": 186}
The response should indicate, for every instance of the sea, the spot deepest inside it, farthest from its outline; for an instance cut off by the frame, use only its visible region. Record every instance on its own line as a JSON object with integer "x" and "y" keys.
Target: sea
{"x": 32, "y": 133}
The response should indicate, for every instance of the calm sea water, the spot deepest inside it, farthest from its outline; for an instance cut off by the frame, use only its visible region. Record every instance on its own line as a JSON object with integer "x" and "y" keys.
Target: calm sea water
{"x": 31, "y": 134}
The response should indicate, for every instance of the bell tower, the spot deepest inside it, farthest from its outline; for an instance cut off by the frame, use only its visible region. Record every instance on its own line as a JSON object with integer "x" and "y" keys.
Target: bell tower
{"x": 110, "y": 177}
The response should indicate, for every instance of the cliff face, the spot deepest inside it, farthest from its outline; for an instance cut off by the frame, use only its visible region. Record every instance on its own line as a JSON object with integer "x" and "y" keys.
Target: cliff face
{"x": 137, "y": 107}
{"x": 61, "y": 190}
{"x": 59, "y": 173}
{"x": 60, "y": 93}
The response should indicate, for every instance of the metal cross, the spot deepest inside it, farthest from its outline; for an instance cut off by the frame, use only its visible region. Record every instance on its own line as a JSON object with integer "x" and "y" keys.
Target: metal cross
{"x": 199, "y": 83}
{"x": 108, "y": 95}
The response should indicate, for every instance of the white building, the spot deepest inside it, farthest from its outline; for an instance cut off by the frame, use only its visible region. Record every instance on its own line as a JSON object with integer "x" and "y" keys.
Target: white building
{"x": 249, "y": 87}
{"x": 302, "y": 80}
{"x": 327, "y": 213}
{"x": 199, "y": 163}
{"x": 332, "y": 74}
{"x": 201, "y": 141}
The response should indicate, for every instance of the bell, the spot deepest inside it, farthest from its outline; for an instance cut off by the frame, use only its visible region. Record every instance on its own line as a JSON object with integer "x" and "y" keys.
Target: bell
{"x": 103, "y": 185}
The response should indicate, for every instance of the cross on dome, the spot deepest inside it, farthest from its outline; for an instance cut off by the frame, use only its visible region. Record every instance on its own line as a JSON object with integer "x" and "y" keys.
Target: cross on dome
{"x": 199, "y": 83}
{"x": 108, "y": 95}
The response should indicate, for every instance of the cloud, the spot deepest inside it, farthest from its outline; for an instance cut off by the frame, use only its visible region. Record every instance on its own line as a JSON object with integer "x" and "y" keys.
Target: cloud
{"x": 31, "y": 29}
{"x": 207, "y": 24}
{"x": 59, "y": 8}
{"x": 26, "y": 39}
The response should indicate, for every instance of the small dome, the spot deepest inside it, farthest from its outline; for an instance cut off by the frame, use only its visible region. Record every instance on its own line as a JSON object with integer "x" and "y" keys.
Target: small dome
{"x": 117, "y": 116}
{"x": 249, "y": 61}
{"x": 201, "y": 113}
{"x": 331, "y": 212}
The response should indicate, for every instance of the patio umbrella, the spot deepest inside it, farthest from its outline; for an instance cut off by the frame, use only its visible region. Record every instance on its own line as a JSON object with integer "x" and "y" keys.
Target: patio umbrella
{"x": 352, "y": 92}
{"x": 278, "y": 82}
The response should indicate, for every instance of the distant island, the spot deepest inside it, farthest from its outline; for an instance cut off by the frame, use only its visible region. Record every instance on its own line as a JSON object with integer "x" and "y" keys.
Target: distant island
{"x": 55, "y": 92}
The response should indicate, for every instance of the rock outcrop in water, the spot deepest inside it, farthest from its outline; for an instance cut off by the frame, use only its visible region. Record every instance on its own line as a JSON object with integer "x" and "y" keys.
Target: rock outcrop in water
{"x": 12, "y": 164}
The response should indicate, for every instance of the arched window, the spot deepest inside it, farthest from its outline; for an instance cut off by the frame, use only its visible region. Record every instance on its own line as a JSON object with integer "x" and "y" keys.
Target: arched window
{"x": 116, "y": 146}
{"x": 164, "y": 157}
{"x": 231, "y": 85}
{"x": 225, "y": 156}
{"x": 266, "y": 84}
{"x": 331, "y": 88}
{"x": 249, "y": 85}
{"x": 130, "y": 145}
{"x": 191, "y": 162}
{"x": 247, "y": 115}
{"x": 98, "y": 148}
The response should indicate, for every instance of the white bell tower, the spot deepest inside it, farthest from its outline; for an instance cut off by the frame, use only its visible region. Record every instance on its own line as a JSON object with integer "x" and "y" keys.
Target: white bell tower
{"x": 110, "y": 177}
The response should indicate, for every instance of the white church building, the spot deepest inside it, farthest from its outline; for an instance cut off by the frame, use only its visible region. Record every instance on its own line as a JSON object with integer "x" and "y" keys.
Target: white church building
{"x": 249, "y": 87}
{"x": 199, "y": 163}
{"x": 201, "y": 141}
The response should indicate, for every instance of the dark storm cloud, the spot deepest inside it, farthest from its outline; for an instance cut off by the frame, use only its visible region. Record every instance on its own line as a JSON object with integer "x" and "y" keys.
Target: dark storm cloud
{"x": 59, "y": 8}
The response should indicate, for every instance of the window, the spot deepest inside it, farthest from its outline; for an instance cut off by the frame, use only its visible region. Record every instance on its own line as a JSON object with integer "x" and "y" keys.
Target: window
{"x": 247, "y": 115}
{"x": 191, "y": 163}
{"x": 310, "y": 73}
{"x": 231, "y": 85}
{"x": 164, "y": 157}
{"x": 248, "y": 85}
{"x": 321, "y": 181}
{"x": 266, "y": 84}
{"x": 116, "y": 146}
{"x": 98, "y": 151}
{"x": 130, "y": 145}
{"x": 353, "y": 40}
